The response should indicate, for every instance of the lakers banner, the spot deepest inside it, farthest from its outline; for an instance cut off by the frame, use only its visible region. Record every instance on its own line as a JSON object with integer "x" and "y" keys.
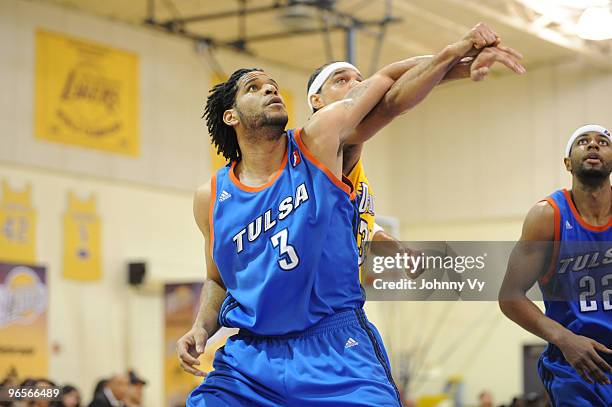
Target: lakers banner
{"x": 23, "y": 321}
{"x": 82, "y": 240}
{"x": 86, "y": 94}
{"x": 18, "y": 223}
{"x": 216, "y": 159}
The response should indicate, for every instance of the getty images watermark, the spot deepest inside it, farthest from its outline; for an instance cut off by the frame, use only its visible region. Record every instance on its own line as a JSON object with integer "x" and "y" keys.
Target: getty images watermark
{"x": 474, "y": 271}
{"x": 414, "y": 264}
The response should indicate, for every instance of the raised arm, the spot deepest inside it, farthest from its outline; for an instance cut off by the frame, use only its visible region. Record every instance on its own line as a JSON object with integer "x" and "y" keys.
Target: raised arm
{"x": 416, "y": 83}
{"x": 191, "y": 345}
{"x": 528, "y": 262}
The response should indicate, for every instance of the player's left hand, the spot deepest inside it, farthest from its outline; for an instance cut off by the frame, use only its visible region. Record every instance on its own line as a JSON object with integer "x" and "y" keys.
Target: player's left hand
{"x": 481, "y": 36}
{"x": 487, "y": 57}
{"x": 581, "y": 353}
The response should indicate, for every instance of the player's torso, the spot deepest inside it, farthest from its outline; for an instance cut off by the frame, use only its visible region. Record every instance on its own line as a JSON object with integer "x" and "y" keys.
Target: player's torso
{"x": 286, "y": 251}
{"x": 365, "y": 205}
{"x": 579, "y": 292}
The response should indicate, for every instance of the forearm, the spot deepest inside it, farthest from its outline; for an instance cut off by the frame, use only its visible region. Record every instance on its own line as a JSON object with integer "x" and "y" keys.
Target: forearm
{"x": 384, "y": 244}
{"x": 459, "y": 71}
{"x": 396, "y": 69}
{"x": 412, "y": 87}
{"x": 526, "y": 314}
{"x": 211, "y": 299}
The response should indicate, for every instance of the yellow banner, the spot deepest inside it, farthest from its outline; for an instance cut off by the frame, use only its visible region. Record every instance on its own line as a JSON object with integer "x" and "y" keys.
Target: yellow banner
{"x": 23, "y": 321}
{"x": 18, "y": 223}
{"x": 86, "y": 94}
{"x": 216, "y": 159}
{"x": 82, "y": 240}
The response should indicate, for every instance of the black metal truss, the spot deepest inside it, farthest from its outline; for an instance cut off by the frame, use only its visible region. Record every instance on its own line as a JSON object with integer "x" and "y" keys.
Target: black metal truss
{"x": 341, "y": 22}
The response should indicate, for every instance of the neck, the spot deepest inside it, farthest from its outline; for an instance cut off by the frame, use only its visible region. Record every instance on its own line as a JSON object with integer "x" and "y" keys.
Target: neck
{"x": 593, "y": 201}
{"x": 262, "y": 154}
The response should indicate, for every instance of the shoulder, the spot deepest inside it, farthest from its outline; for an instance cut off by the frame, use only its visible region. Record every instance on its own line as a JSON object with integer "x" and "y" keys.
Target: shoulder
{"x": 201, "y": 204}
{"x": 539, "y": 223}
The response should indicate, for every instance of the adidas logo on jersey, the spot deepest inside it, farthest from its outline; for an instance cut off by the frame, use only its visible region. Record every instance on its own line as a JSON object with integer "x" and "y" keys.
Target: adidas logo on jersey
{"x": 568, "y": 225}
{"x": 350, "y": 343}
{"x": 224, "y": 195}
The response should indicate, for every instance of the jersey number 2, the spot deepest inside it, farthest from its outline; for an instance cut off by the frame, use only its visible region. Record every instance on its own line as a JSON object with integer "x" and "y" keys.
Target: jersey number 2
{"x": 288, "y": 257}
{"x": 586, "y": 303}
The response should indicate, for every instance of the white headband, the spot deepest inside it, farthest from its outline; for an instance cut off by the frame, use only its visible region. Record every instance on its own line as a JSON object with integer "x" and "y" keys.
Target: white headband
{"x": 585, "y": 129}
{"x": 324, "y": 74}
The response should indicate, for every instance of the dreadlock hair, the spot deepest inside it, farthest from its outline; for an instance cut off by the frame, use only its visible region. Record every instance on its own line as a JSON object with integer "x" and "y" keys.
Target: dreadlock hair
{"x": 220, "y": 98}
{"x": 313, "y": 76}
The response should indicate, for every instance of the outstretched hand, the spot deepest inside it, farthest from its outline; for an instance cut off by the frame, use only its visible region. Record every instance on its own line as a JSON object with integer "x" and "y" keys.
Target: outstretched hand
{"x": 490, "y": 55}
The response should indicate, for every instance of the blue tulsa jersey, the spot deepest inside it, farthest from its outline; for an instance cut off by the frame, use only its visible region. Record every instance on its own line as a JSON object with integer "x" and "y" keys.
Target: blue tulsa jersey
{"x": 286, "y": 250}
{"x": 578, "y": 288}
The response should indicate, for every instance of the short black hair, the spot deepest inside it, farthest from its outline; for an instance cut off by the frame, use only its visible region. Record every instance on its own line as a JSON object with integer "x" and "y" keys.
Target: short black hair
{"x": 314, "y": 75}
{"x": 220, "y": 98}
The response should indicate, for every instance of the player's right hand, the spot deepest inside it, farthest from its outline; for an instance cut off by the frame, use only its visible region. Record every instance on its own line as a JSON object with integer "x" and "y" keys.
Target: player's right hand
{"x": 581, "y": 353}
{"x": 190, "y": 347}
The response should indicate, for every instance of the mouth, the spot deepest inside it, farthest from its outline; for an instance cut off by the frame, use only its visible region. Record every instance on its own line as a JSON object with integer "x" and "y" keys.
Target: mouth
{"x": 593, "y": 157}
{"x": 275, "y": 101}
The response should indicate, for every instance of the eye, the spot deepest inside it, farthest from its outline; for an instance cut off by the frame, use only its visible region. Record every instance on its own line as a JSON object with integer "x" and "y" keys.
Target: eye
{"x": 341, "y": 81}
{"x": 252, "y": 88}
{"x": 604, "y": 142}
{"x": 582, "y": 141}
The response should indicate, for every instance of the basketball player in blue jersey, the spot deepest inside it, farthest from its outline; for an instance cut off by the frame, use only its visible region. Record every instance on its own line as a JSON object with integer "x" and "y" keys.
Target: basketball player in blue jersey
{"x": 331, "y": 82}
{"x": 281, "y": 254}
{"x": 577, "y": 323}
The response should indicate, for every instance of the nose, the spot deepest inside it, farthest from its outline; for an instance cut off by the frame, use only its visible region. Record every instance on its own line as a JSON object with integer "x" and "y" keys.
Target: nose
{"x": 270, "y": 89}
{"x": 593, "y": 144}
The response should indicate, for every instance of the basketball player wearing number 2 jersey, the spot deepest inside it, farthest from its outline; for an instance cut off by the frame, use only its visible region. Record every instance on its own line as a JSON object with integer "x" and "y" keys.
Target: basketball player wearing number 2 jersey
{"x": 574, "y": 273}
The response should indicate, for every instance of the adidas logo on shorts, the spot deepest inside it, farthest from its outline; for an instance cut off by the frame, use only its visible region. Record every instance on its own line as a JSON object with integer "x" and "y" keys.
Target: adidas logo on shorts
{"x": 224, "y": 195}
{"x": 350, "y": 343}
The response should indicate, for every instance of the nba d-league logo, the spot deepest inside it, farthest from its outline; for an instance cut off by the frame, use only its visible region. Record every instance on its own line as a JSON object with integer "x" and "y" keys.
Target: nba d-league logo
{"x": 295, "y": 158}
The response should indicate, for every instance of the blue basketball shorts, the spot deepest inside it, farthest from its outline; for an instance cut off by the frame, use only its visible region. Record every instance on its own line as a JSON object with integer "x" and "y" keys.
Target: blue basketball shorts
{"x": 340, "y": 361}
{"x": 565, "y": 386}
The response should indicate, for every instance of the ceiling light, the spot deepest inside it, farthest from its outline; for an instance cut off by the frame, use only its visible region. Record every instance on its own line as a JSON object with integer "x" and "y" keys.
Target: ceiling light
{"x": 580, "y": 4}
{"x": 595, "y": 24}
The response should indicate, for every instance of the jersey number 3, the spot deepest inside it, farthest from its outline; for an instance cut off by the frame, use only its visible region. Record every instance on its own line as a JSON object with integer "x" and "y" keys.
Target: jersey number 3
{"x": 288, "y": 256}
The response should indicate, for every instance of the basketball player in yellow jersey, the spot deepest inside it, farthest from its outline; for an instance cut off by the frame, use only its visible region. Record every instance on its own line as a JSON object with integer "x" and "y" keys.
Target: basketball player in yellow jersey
{"x": 331, "y": 82}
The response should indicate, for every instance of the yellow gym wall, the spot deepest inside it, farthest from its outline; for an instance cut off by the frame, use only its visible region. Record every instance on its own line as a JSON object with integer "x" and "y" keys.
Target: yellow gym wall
{"x": 465, "y": 165}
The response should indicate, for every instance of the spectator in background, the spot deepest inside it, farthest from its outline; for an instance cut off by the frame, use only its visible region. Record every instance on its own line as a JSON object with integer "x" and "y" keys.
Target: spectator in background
{"x": 113, "y": 393}
{"x": 42, "y": 384}
{"x": 135, "y": 389}
{"x": 485, "y": 399}
{"x": 70, "y": 397}
{"x": 99, "y": 389}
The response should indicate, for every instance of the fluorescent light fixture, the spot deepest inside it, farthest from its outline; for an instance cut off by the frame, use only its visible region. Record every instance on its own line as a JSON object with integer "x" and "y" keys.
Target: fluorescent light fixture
{"x": 595, "y": 24}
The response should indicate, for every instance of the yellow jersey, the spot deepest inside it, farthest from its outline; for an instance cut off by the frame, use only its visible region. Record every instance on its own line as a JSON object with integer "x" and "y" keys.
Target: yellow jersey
{"x": 365, "y": 201}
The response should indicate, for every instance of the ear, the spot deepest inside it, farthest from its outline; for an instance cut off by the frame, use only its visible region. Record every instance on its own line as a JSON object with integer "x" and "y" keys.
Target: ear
{"x": 230, "y": 117}
{"x": 316, "y": 101}
{"x": 568, "y": 164}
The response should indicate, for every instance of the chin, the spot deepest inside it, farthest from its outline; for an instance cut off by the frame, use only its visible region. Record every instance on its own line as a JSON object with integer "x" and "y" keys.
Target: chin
{"x": 277, "y": 120}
